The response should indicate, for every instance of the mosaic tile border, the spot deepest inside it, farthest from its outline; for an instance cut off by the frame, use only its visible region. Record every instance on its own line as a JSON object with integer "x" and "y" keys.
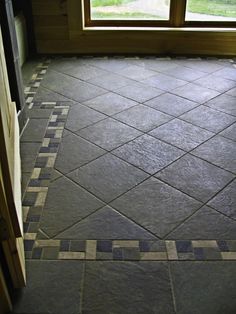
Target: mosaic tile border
{"x": 38, "y": 246}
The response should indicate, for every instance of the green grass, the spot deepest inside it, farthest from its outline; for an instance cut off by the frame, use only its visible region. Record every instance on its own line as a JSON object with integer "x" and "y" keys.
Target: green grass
{"x": 124, "y": 16}
{"x": 225, "y": 8}
{"x": 105, "y": 3}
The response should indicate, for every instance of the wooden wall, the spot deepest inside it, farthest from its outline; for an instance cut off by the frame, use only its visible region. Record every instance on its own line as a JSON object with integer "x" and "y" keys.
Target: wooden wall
{"x": 59, "y": 29}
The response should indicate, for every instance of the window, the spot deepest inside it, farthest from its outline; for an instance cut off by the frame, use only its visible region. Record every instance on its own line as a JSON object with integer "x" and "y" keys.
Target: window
{"x": 169, "y": 13}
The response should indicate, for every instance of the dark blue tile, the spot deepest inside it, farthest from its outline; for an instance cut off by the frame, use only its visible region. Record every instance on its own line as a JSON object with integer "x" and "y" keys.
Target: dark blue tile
{"x": 223, "y": 246}
{"x": 144, "y": 246}
{"x": 37, "y": 253}
{"x": 25, "y": 226}
{"x": 34, "y": 182}
{"x": 199, "y": 253}
{"x": 65, "y": 246}
{"x": 184, "y": 246}
{"x": 77, "y": 246}
{"x": 28, "y": 245}
{"x": 117, "y": 254}
{"x": 104, "y": 246}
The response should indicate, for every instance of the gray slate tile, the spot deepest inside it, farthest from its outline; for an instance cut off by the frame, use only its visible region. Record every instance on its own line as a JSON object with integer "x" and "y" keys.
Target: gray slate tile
{"x": 184, "y": 73}
{"x": 230, "y": 132}
{"x": 135, "y": 72}
{"x": 181, "y": 134}
{"x": 208, "y": 118}
{"x": 127, "y": 287}
{"x": 66, "y": 204}
{"x": 110, "y": 81}
{"x": 70, "y": 87}
{"x": 109, "y": 64}
{"x": 225, "y": 201}
{"x": 44, "y": 94}
{"x": 35, "y": 130}
{"x": 232, "y": 92}
{"x": 156, "y": 206}
{"x": 81, "y": 116}
{"x": 164, "y": 82}
{"x": 206, "y": 223}
{"x": 224, "y": 103}
{"x": 228, "y": 73}
{"x": 139, "y": 92}
{"x": 28, "y": 153}
{"x": 201, "y": 65}
{"x": 220, "y": 151}
{"x": 195, "y": 177}
{"x": 108, "y": 177}
{"x": 110, "y": 103}
{"x": 109, "y": 133}
{"x": 217, "y": 83}
{"x": 148, "y": 153}
{"x": 195, "y": 93}
{"x": 171, "y": 104}
{"x": 142, "y": 117}
{"x": 74, "y": 152}
{"x": 39, "y": 113}
{"x": 106, "y": 223}
{"x": 61, "y": 294}
{"x": 204, "y": 287}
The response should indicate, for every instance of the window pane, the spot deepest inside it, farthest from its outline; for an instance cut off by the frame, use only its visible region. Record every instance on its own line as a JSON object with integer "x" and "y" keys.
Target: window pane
{"x": 130, "y": 9}
{"x": 211, "y": 10}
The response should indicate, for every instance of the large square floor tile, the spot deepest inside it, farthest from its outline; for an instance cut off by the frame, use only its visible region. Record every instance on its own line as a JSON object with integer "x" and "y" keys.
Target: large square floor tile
{"x": 230, "y": 132}
{"x": 228, "y": 73}
{"x": 195, "y": 177}
{"x": 206, "y": 66}
{"x": 81, "y": 116}
{"x": 70, "y": 87}
{"x": 52, "y": 287}
{"x": 106, "y": 223}
{"x": 217, "y": 83}
{"x": 136, "y": 72}
{"x": 225, "y": 103}
{"x": 125, "y": 287}
{"x": 196, "y": 93}
{"x": 181, "y": 134}
{"x": 110, "y": 103}
{"x": 35, "y": 130}
{"x": 110, "y": 81}
{"x": 204, "y": 287}
{"x": 225, "y": 201}
{"x": 143, "y": 118}
{"x": 171, "y": 104}
{"x": 109, "y": 133}
{"x": 184, "y": 73}
{"x": 156, "y": 206}
{"x": 108, "y": 177}
{"x": 139, "y": 92}
{"x": 164, "y": 82}
{"x": 208, "y": 118}
{"x": 220, "y": 151}
{"x": 148, "y": 153}
{"x": 28, "y": 153}
{"x": 206, "y": 223}
{"x": 66, "y": 204}
{"x": 74, "y": 152}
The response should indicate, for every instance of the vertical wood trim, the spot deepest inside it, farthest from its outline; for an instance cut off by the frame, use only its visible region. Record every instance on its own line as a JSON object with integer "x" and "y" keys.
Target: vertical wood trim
{"x": 5, "y": 301}
{"x": 177, "y": 12}
{"x": 75, "y": 17}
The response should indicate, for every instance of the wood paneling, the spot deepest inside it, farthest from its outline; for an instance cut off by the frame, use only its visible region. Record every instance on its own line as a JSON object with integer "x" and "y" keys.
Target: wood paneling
{"x": 59, "y": 29}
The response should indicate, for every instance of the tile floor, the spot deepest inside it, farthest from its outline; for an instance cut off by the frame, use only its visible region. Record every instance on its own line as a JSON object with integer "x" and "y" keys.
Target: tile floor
{"x": 129, "y": 187}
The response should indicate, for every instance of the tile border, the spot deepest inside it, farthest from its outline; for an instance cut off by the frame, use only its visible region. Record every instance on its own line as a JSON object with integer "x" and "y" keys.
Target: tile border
{"x": 39, "y": 247}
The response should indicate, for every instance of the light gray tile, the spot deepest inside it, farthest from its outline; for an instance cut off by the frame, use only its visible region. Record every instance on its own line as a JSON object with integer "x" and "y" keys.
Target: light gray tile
{"x": 217, "y": 83}
{"x": 34, "y": 131}
{"x": 184, "y": 73}
{"x": 230, "y": 132}
{"x": 110, "y": 81}
{"x": 164, "y": 82}
{"x": 224, "y": 103}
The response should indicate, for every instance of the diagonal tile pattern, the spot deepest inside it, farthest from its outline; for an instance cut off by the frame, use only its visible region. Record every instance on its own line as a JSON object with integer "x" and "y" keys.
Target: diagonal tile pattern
{"x": 106, "y": 211}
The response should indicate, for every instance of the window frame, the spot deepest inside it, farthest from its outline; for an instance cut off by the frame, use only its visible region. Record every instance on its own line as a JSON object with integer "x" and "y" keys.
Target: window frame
{"x": 176, "y": 19}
